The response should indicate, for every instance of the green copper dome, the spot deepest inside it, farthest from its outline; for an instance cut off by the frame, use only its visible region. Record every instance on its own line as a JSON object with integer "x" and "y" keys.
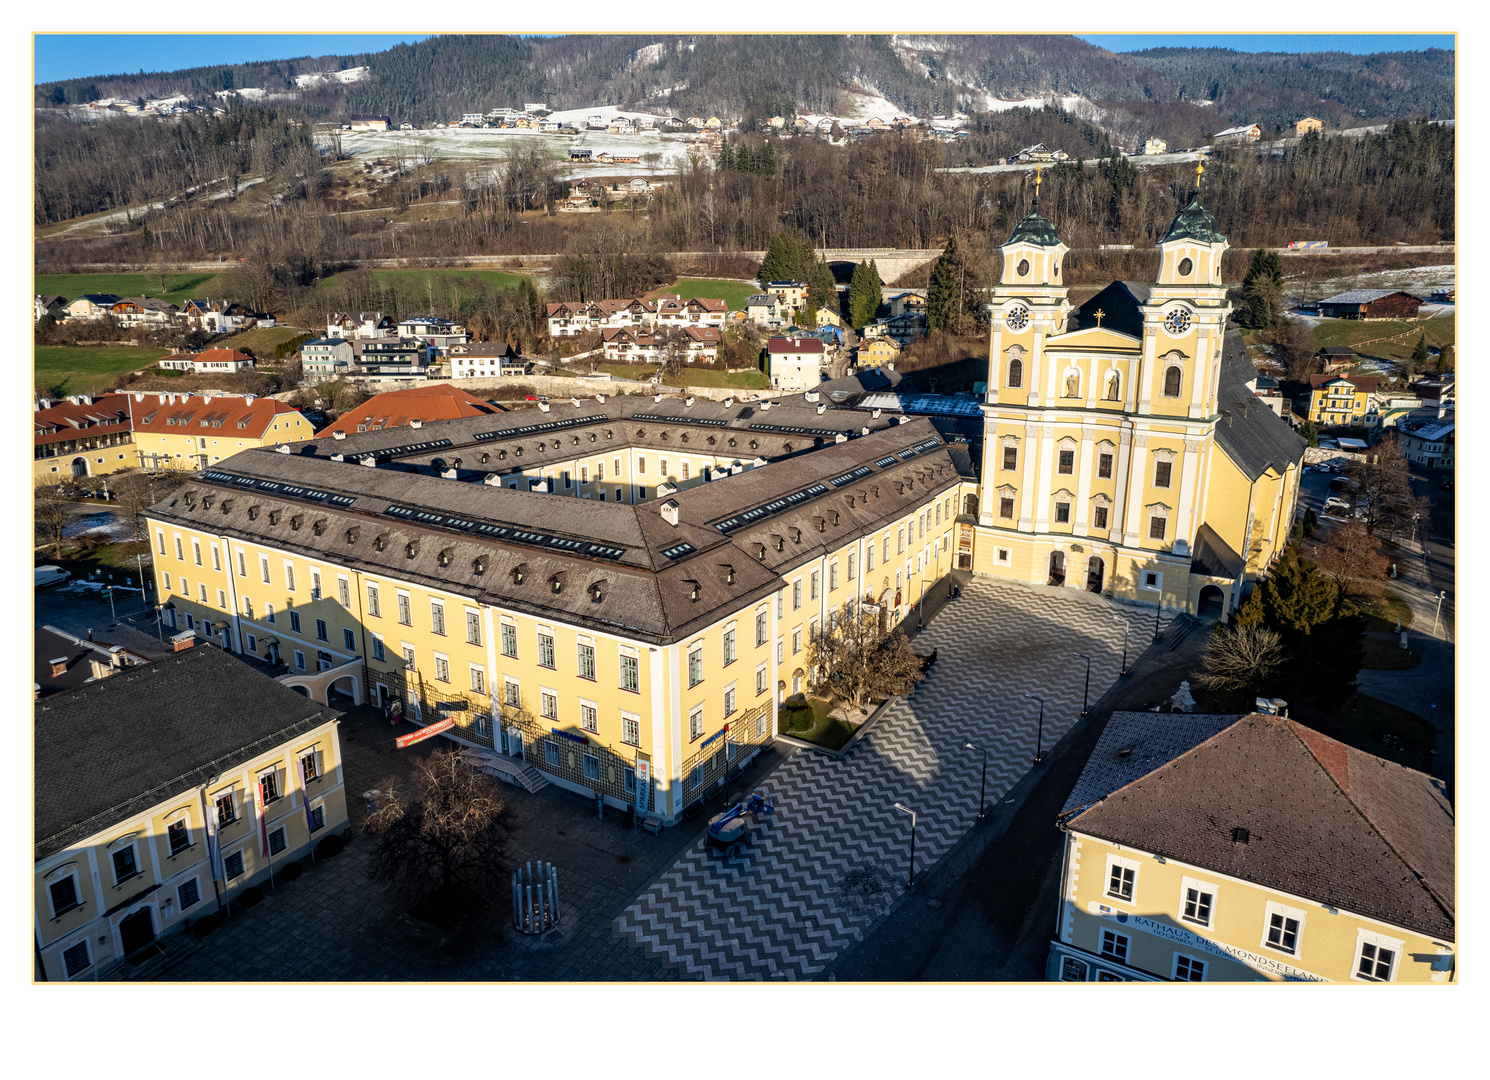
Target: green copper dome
{"x": 1034, "y": 229}
{"x": 1194, "y": 222}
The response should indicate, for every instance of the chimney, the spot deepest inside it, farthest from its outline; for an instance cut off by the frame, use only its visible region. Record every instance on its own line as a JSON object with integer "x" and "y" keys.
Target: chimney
{"x": 670, "y": 513}
{"x": 766, "y": 405}
{"x": 282, "y": 448}
{"x": 688, "y": 402}
{"x": 656, "y": 398}
{"x": 811, "y": 395}
{"x": 875, "y": 415}
{"x": 416, "y": 423}
{"x": 338, "y": 434}
{"x": 116, "y": 656}
{"x": 600, "y": 398}
{"x": 666, "y": 489}
{"x": 840, "y": 437}
{"x": 822, "y": 408}
{"x": 43, "y": 403}
{"x": 574, "y": 401}
{"x": 543, "y": 406}
{"x": 338, "y": 457}
{"x": 727, "y": 402}
{"x": 370, "y": 461}
{"x": 59, "y": 667}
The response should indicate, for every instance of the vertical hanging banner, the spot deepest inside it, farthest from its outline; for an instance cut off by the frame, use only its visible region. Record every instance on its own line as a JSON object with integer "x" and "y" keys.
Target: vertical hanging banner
{"x": 263, "y": 824}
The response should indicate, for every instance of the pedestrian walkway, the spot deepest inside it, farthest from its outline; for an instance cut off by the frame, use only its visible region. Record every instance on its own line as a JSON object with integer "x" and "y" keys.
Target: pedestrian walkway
{"x": 834, "y": 858}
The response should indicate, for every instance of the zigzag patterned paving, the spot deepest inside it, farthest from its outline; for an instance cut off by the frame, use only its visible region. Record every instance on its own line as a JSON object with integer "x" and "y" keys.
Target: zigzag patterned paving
{"x": 816, "y": 877}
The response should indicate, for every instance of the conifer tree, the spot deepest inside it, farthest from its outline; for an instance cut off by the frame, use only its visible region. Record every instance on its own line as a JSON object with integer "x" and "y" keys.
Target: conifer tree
{"x": 1262, "y": 291}
{"x": 942, "y": 294}
{"x": 863, "y": 301}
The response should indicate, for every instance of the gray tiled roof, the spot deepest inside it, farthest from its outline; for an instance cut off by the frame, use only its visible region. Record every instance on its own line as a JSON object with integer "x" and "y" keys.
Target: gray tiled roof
{"x": 1134, "y": 744}
{"x": 645, "y": 594}
{"x": 1253, "y": 436}
{"x": 118, "y": 746}
{"x": 1323, "y": 820}
{"x": 1119, "y": 306}
{"x": 1358, "y": 296}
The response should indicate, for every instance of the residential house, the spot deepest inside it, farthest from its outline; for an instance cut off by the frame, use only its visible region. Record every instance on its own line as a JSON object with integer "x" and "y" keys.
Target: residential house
{"x": 51, "y": 304}
{"x": 792, "y": 294}
{"x": 242, "y": 317}
{"x": 1040, "y": 153}
{"x": 62, "y": 661}
{"x": 914, "y": 302}
{"x": 327, "y": 358}
{"x": 397, "y": 358}
{"x": 622, "y": 126}
{"x": 1371, "y": 304}
{"x": 361, "y": 326}
{"x": 92, "y": 306}
{"x": 596, "y": 122}
{"x": 362, "y": 122}
{"x": 1244, "y": 133}
{"x": 1392, "y": 409}
{"x": 907, "y": 327}
{"x": 415, "y": 406}
{"x": 81, "y": 436}
{"x": 135, "y": 311}
{"x": 1267, "y": 391}
{"x": 484, "y": 360}
{"x": 576, "y": 154}
{"x": 473, "y": 119}
{"x": 208, "y": 362}
{"x": 440, "y": 333}
{"x": 878, "y": 353}
{"x": 1155, "y": 146}
{"x": 696, "y": 122}
{"x": 778, "y": 122}
{"x": 1340, "y": 400}
{"x": 1436, "y": 392}
{"x": 195, "y": 431}
{"x": 765, "y": 309}
{"x": 713, "y": 123}
{"x": 1204, "y": 848}
{"x": 626, "y": 344}
{"x": 826, "y": 316}
{"x": 1337, "y": 358}
{"x": 202, "y": 315}
{"x": 165, "y": 791}
{"x": 1307, "y": 124}
{"x": 638, "y": 185}
{"x": 674, "y": 123}
{"x": 795, "y": 363}
{"x": 672, "y": 310}
{"x": 1431, "y": 445}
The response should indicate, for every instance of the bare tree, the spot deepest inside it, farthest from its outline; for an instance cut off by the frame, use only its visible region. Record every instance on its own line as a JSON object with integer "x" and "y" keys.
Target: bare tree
{"x": 1241, "y": 659}
{"x": 1351, "y": 557}
{"x": 1383, "y": 488}
{"x": 444, "y": 828}
{"x": 853, "y": 658}
{"x": 137, "y": 491}
{"x": 51, "y": 511}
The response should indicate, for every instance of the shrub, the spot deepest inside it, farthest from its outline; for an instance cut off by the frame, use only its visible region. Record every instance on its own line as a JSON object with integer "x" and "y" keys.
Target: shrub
{"x": 204, "y": 926}
{"x": 251, "y": 897}
{"x": 329, "y": 847}
{"x": 292, "y": 871}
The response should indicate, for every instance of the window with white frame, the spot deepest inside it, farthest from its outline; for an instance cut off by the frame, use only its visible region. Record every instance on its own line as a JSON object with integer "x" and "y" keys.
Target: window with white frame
{"x": 696, "y": 664}
{"x": 408, "y": 652}
{"x": 289, "y": 576}
{"x": 545, "y": 649}
{"x": 1376, "y": 956}
{"x": 315, "y": 583}
{"x": 760, "y": 679}
{"x": 1188, "y": 968}
{"x": 729, "y": 644}
{"x": 196, "y": 551}
{"x": 63, "y": 892}
{"x": 378, "y": 651}
{"x": 1283, "y": 928}
{"x": 232, "y": 865}
{"x": 760, "y": 623}
{"x": 124, "y": 860}
{"x": 695, "y": 722}
{"x": 478, "y": 678}
{"x": 509, "y": 638}
{"x": 631, "y": 729}
{"x": 374, "y": 607}
{"x": 1152, "y": 580}
{"x": 227, "y": 809}
{"x": 729, "y": 699}
{"x": 437, "y": 617}
{"x": 630, "y": 671}
{"x": 549, "y": 703}
{"x": 589, "y": 716}
{"x": 550, "y": 752}
{"x": 216, "y": 558}
{"x": 187, "y": 894}
{"x": 592, "y": 767}
{"x": 1122, "y": 877}
{"x": 76, "y": 959}
{"x": 405, "y": 614}
{"x": 442, "y": 668}
{"x": 512, "y": 692}
{"x": 586, "y": 660}
{"x": 343, "y": 591}
{"x": 1115, "y": 946}
{"x": 264, "y": 568}
{"x": 1197, "y": 902}
{"x": 178, "y": 836}
{"x": 299, "y": 659}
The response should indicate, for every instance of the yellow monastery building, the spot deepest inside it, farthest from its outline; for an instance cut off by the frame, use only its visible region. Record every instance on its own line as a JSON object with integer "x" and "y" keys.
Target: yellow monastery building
{"x": 1251, "y": 849}
{"x": 1122, "y": 451}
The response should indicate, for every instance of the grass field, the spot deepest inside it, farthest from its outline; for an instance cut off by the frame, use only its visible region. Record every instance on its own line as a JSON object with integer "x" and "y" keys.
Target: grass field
{"x": 1439, "y": 330}
{"x": 183, "y": 286}
{"x": 732, "y": 292}
{"x": 812, "y": 723}
{"x": 262, "y": 340}
{"x": 87, "y": 369}
{"x": 415, "y": 280}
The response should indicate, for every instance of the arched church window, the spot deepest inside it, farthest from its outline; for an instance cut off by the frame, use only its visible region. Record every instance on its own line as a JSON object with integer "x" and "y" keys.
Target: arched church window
{"x": 1172, "y": 382}
{"x": 1016, "y": 373}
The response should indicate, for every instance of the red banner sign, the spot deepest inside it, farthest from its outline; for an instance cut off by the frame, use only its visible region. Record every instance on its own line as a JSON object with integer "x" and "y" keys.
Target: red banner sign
{"x": 424, "y": 733}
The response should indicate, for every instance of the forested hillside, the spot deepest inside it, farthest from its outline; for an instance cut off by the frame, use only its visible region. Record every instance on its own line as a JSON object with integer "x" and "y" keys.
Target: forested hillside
{"x": 442, "y": 77}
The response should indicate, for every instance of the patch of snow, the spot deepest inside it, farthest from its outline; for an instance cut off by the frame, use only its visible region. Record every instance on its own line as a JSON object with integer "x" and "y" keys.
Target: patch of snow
{"x": 859, "y": 107}
{"x": 645, "y": 57}
{"x": 315, "y": 78}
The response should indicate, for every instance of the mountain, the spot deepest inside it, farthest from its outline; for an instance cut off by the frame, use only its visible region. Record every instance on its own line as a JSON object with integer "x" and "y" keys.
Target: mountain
{"x": 742, "y": 75}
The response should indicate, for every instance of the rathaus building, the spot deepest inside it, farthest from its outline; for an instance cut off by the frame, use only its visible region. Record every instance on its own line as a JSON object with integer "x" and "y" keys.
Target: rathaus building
{"x": 615, "y": 595}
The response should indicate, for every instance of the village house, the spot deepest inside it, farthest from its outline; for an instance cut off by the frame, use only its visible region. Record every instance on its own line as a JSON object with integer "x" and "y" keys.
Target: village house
{"x": 361, "y": 326}
{"x": 795, "y": 363}
{"x": 412, "y": 407}
{"x": 92, "y": 306}
{"x": 1336, "y": 358}
{"x": 162, "y": 793}
{"x": 1371, "y": 304}
{"x": 1307, "y": 124}
{"x": 1040, "y": 152}
{"x": 633, "y": 345}
{"x": 672, "y": 310}
{"x": 1244, "y": 133}
{"x": 1431, "y": 445}
{"x": 326, "y": 358}
{"x": 192, "y": 431}
{"x": 878, "y": 353}
{"x": 208, "y": 362}
{"x": 765, "y": 309}
{"x": 792, "y": 294}
{"x": 485, "y": 359}
{"x": 1340, "y": 400}
{"x": 81, "y": 436}
{"x": 362, "y": 122}
{"x": 440, "y": 333}
{"x": 1153, "y": 146}
{"x": 399, "y": 359}
{"x": 51, "y": 304}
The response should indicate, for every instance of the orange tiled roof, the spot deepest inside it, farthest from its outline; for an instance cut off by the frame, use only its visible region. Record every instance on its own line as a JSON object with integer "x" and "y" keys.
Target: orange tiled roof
{"x": 194, "y": 414}
{"x": 397, "y": 407}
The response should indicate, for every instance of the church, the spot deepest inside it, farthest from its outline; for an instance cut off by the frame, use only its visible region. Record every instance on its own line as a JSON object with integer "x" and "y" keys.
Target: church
{"x": 1124, "y": 452}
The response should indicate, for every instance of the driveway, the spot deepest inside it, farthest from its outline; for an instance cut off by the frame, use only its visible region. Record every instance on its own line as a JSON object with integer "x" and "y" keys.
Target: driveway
{"x": 832, "y": 861}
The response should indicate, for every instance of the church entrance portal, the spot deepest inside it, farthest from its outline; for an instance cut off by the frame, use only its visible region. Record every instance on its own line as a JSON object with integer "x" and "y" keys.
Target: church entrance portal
{"x": 1057, "y": 568}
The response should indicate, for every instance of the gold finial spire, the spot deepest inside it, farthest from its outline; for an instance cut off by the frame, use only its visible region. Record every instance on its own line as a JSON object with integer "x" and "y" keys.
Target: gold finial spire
{"x": 1037, "y": 183}
{"x": 1199, "y": 169}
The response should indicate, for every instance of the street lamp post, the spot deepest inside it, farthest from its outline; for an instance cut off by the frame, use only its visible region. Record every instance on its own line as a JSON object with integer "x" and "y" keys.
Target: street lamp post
{"x": 921, "y": 601}
{"x": 1124, "y": 673}
{"x": 1086, "y": 690}
{"x": 910, "y": 884}
{"x": 982, "y": 784}
{"x": 1157, "y": 612}
{"x": 1437, "y": 608}
{"x": 1039, "y": 731}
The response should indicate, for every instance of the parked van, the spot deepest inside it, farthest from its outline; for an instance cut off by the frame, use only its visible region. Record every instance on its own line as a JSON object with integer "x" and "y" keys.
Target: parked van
{"x": 50, "y": 575}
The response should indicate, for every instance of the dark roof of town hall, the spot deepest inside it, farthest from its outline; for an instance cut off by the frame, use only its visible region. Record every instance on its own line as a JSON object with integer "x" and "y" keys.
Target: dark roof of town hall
{"x": 1272, "y": 802}
{"x": 116, "y": 747}
{"x": 620, "y": 567}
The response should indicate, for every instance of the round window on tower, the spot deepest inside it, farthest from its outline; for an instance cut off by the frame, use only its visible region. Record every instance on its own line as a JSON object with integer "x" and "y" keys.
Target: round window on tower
{"x": 1185, "y": 267}
{"x": 1018, "y": 317}
{"x": 1023, "y": 268}
{"x": 1177, "y": 321}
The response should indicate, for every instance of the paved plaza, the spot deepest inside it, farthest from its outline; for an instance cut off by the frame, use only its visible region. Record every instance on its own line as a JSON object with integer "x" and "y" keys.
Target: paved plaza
{"x": 833, "y": 859}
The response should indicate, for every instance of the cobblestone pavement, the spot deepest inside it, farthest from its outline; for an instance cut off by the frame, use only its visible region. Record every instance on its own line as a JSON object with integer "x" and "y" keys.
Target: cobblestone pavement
{"x": 832, "y": 861}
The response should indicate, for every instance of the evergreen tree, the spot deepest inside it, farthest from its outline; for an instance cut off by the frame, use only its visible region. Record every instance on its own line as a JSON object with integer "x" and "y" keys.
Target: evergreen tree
{"x": 1446, "y": 358}
{"x": 1262, "y": 291}
{"x": 789, "y": 257}
{"x": 941, "y": 293}
{"x": 863, "y": 301}
{"x": 1420, "y": 351}
{"x": 765, "y": 160}
{"x": 1296, "y": 598}
{"x": 726, "y": 160}
{"x": 822, "y": 291}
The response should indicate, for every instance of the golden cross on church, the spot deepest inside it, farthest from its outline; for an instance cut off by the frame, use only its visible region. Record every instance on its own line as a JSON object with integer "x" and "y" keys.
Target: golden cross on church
{"x": 1098, "y": 314}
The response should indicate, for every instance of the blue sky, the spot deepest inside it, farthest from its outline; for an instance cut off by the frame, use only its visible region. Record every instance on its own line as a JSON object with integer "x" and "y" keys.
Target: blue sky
{"x": 74, "y": 56}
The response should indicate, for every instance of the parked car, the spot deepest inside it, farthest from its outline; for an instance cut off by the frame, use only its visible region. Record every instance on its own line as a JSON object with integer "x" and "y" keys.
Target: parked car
{"x": 50, "y": 575}
{"x": 1335, "y": 503}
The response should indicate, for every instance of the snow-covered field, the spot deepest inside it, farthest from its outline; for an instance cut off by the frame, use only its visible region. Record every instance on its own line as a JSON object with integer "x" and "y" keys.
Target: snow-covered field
{"x": 315, "y": 78}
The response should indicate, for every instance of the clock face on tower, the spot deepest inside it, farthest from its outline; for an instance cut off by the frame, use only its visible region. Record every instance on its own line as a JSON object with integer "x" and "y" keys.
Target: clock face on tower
{"x": 1017, "y": 318}
{"x": 1177, "y": 322}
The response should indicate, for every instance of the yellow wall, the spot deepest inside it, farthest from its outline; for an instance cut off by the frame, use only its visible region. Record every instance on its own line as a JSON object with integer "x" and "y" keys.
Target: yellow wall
{"x": 102, "y": 461}
{"x": 91, "y": 859}
{"x": 185, "y": 451}
{"x": 1342, "y": 409}
{"x": 1327, "y": 947}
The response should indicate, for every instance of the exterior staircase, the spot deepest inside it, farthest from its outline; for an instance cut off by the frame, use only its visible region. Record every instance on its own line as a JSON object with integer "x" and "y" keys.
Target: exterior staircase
{"x": 505, "y": 768}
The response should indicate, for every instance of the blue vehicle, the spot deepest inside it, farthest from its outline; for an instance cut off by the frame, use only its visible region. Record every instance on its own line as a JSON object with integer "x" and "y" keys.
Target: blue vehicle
{"x": 729, "y": 827}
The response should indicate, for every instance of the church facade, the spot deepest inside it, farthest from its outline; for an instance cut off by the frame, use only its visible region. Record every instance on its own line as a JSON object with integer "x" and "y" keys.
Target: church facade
{"x": 1123, "y": 452}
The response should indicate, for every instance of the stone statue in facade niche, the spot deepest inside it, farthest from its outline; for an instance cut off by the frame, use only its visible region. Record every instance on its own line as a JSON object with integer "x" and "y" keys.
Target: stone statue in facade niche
{"x": 1073, "y": 385}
